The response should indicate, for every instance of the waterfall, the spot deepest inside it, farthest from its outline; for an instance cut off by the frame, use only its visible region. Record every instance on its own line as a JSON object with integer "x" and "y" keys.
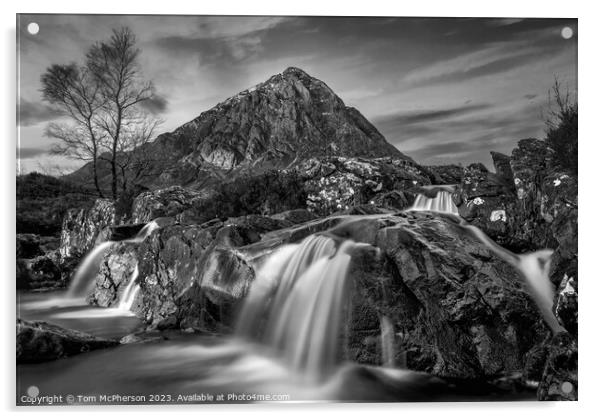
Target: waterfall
{"x": 129, "y": 294}
{"x": 143, "y": 233}
{"x": 304, "y": 285}
{"x": 387, "y": 342}
{"x": 535, "y": 269}
{"x": 80, "y": 284}
{"x": 86, "y": 271}
{"x": 442, "y": 202}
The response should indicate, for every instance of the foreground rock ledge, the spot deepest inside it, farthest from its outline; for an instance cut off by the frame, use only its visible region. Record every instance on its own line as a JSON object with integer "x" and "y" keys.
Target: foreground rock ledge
{"x": 42, "y": 342}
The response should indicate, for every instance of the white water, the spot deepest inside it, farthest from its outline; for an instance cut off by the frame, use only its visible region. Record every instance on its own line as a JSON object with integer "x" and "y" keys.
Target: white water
{"x": 131, "y": 291}
{"x": 302, "y": 287}
{"x": 143, "y": 233}
{"x": 535, "y": 269}
{"x": 442, "y": 202}
{"x": 87, "y": 270}
{"x": 387, "y": 342}
{"x": 82, "y": 281}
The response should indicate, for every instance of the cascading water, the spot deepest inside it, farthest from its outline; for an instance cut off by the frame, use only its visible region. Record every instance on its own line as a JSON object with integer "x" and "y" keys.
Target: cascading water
{"x": 143, "y": 233}
{"x": 534, "y": 267}
{"x": 442, "y": 202}
{"x": 81, "y": 282}
{"x": 304, "y": 285}
{"x": 129, "y": 294}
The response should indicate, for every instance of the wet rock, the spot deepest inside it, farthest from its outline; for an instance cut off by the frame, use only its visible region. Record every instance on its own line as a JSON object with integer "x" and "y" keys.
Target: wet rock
{"x": 120, "y": 232}
{"x": 457, "y": 310}
{"x": 116, "y": 271}
{"x": 81, "y": 228}
{"x": 41, "y": 342}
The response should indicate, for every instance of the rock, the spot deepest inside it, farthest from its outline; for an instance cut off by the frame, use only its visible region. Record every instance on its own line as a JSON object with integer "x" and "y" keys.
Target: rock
{"x": 295, "y": 216}
{"x": 41, "y": 342}
{"x": 166, "y": 202}
{"x": 559, "y": 381}
{"x": 81, "y": 228}
{"x": 446, "y": 174}
{"x": 457, "y": 310}
{"x": 396, "y": 200}
{"x": 30, "y": 245}
{"x": 335, "y": 184}
{"x": 565, "y": 305}
{"x": 45, "y": 272}
{"x": 120, "y": 232}
{"x": 503, "y": 167}
{"x": 116, "y": 270}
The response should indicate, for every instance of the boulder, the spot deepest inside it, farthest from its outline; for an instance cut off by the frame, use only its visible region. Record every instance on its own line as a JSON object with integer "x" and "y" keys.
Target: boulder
{"x": 41, "y": 342}
{"x": 81, "y": 228}
{"x": 115, "y": 273}
{"x": 456, "y": 309}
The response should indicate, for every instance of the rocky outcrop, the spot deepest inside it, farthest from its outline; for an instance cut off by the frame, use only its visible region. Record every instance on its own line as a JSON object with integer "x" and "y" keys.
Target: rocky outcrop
{"x": 338, "y": 183}
{"x": 166, "y": 202}
{"x": 41, "y": 342}
{"x": 81, "y": 228}
{"x": 446, "y": 174}
{"x": 455, "y": 308}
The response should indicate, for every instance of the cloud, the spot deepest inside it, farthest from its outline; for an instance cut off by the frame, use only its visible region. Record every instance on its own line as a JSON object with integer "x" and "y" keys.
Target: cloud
{"x": 156, "y": 105}
{"x": 423, "y": 117}
{"x": 32, "y": 113}
{"x": 31, "y": 152}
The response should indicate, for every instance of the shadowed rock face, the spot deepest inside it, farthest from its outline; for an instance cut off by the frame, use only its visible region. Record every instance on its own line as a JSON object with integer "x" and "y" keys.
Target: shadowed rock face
{"x": 290, "y": 117}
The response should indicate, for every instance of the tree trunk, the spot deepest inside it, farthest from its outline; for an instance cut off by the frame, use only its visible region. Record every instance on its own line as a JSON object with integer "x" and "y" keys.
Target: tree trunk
{"x": 95, "y": 170}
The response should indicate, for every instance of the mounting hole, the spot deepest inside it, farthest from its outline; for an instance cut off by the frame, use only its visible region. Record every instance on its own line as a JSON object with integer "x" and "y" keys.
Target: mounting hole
{"x": 33, "y": 391}
{"x": 33, "y": 28}
{"x": 567, "y": 33}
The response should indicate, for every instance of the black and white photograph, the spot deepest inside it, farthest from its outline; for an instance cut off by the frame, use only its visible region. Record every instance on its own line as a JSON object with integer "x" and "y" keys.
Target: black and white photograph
{"x": 236, "y": 209}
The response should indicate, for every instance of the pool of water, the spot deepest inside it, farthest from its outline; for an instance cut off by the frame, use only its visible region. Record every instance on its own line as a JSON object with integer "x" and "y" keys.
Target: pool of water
{"x": 178, "y": 368}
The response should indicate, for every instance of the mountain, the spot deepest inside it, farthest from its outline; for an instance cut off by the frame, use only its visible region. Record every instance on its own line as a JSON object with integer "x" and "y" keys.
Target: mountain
{"x": 275, "y": 124}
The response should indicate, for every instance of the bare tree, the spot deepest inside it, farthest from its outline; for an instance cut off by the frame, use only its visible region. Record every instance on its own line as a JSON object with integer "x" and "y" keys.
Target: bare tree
{"x": 73, "y": 91}
{"x": 115, "y": 67}
{"x": 132, "y": 159}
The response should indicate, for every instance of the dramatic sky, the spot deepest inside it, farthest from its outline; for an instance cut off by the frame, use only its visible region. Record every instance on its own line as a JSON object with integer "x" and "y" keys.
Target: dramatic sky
{"x": 441, "y": 90}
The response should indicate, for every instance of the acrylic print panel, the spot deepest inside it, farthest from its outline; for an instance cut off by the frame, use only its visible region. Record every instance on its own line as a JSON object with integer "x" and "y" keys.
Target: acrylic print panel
{"x": 225, "y": 210}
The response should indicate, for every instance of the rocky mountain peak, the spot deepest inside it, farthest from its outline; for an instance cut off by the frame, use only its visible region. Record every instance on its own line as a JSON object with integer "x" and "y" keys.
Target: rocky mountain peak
{"x": 275, "y": 124}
